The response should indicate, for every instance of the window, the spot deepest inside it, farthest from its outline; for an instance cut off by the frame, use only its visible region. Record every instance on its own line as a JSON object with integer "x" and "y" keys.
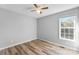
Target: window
{"x": 67, "y": 28}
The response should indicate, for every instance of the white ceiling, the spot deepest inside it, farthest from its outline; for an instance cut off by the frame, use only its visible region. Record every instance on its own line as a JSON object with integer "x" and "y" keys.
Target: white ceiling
{"x": 24, "y": 9}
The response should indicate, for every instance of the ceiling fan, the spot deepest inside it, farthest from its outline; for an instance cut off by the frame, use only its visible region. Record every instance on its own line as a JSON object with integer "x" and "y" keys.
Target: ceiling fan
{"x": 39, "y": 8}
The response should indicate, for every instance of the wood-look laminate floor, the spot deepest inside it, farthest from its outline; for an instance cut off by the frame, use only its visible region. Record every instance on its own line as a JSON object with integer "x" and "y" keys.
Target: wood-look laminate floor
{"x": 38, "y": 47}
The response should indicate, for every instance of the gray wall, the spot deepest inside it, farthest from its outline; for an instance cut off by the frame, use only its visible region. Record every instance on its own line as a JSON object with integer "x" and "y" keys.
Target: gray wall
{"x": 47, "y": 28}
{"x": 16, "y": 28}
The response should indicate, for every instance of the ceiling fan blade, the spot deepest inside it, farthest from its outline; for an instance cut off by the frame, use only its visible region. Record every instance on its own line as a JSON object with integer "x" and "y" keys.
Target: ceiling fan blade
{"x": 45, "y": 8}
{"x": 35, "y": 5}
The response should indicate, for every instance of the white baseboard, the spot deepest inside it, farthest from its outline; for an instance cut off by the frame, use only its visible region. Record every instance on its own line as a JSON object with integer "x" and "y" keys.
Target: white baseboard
{"x": 39, "y": 39}
{"x": 16, "y": 44}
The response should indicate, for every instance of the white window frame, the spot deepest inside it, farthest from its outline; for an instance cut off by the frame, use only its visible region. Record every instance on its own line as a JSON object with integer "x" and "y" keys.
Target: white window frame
{"x": 74, "y": 28}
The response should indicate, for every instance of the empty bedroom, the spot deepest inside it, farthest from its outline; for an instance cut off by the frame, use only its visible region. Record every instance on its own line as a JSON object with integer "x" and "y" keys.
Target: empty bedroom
{"x": 39, "y": 29}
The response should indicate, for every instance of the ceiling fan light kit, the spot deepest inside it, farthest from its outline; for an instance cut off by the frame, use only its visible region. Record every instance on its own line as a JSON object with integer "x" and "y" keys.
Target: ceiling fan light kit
{"x": 38, "y": 11}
